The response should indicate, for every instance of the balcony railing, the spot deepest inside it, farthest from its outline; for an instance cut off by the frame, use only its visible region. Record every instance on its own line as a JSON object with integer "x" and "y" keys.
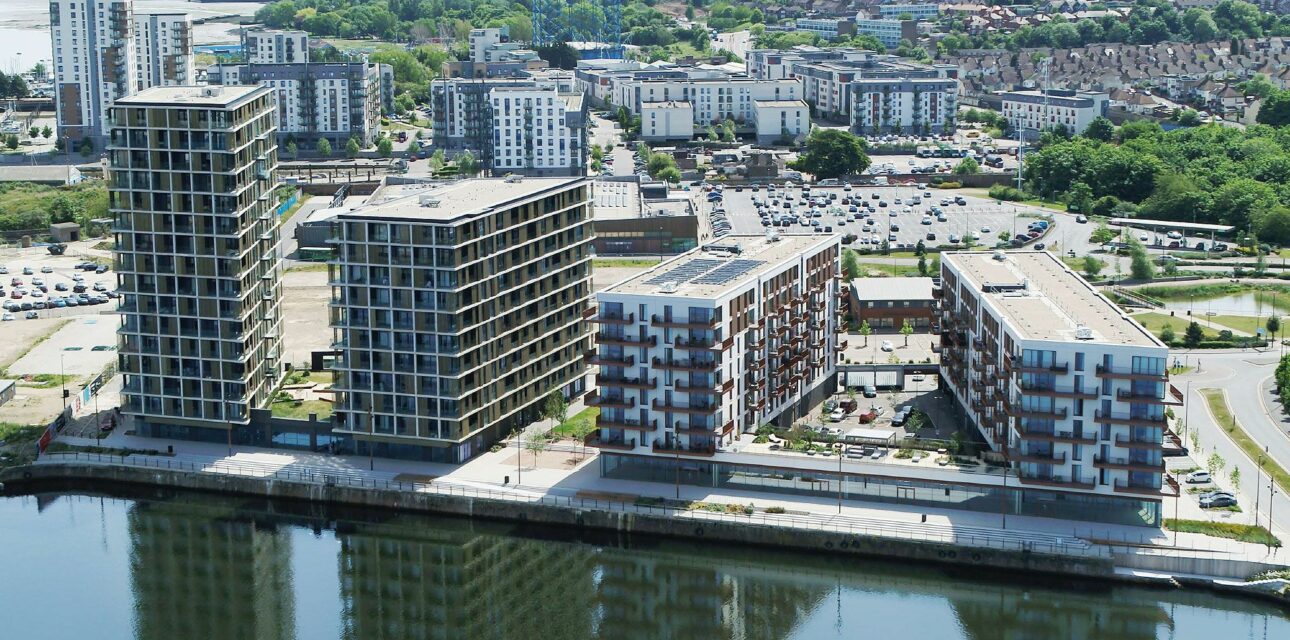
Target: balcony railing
{"x": 1059, "y": 436}
{"x": 1144, "y": 421}
{"x": 630, "y": 383}
{"x": 597, "y": 400}
{"x": 630, "y": 425}
{"x": 1126, "y": 395}
{"x": 629, "y": 318}
{"x": 1058, "y": 367}
{"x": 600, "y": 441}
{"x": 1104, "y": 372}
{"x": 1042, "y": 458}
{"x": 702, "y": 410}
{"x": 1056, "y": 413}
{"x": 1032, "y": 390}
{"x": 1137, "y": 442}
{"x": 608, "y": 361}
{"x": 677, "y": 323}
{"x": 684, "y": 365}
{"x": 677, "y": 448}
{"x": 1128, "y": 464}
{"x": 626, "y": 341}
{"x": 1057, "y": 480}
{"x": 1141, "y": 489}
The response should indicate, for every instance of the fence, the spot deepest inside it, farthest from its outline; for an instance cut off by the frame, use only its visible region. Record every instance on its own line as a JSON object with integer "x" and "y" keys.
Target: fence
{"x": 956, "y": 535}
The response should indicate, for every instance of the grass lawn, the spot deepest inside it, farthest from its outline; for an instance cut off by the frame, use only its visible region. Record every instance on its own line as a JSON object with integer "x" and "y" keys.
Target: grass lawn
{"x": 1034, "y": 202}
{"x": 617, "y": 263}
{"x": 302, "y": 411}
{"x": 301, "y": 377}
{"x": 370, "y": 46}
{"x": 300, "y": 202}
{"x": 1247, "y": 324}
{"x": 578, "y": 425}
{"x": 1230, "y": 530}
{"x": 1155, "y": 323}
{"x": 11, "y": 432}
{"x": 889, "y": 269}
{"x": 1223, "y": 416}
{"x": 319, "y": 266}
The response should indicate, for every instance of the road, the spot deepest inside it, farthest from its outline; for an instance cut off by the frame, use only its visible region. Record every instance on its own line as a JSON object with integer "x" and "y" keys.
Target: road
{"x": 605, "y": 133}
{"x": 736, "y": 42}
{"x": 1246, "y": 378}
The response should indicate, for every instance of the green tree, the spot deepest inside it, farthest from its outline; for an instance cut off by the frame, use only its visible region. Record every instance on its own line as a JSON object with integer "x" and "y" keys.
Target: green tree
{"x": 352, "y": 148}
{"x": 1238, "y": 19}
{"x": 922, "y": 265}
{"x": 1273, "y": 325}
{"x": 1102, "y": 234}
{"x": 384, "y": 147}
{"x": 866, "y": 331}
{"x": 1275, "y": 110}
{"x": 46, "y": 132}
{"x": 536, "y": 444}
{"x": 907, "y": 330}
{"x": 12, "y": 142}
{"x": 1092, "y": 266}
{"x": 1167, "y": 334}
{"x": 86, "y": 147}
{"x": 33, "y": 132}
{"x": 1193, "y": 336}
{"x": 1215, "y": 463}
{"x": 1140, "y": 267}
{"x": 292, "y": 149}
{"x": 832, "y": 153}
{"x": 1100, "y": 129}
{"x": 850, "y": 265}
{"x": 466, "y": 163}
{"x": 323, "y": 147}
{"x": 556, "y": 407}
{"x": 437, "y": 160}
{"x": 966, "y": 166}
{"x": 1235, "y": 477}
{"x": 1080, "y": 198}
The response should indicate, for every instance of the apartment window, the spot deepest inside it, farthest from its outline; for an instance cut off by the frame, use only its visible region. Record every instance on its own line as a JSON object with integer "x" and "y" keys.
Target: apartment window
{"x": 1079, "y": 361}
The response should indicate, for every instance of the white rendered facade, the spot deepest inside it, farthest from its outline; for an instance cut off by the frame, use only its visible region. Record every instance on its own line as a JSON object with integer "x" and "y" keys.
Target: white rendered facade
{"x": 275, "y": 46}
{"x": 332, "y": 100}
{"x": 1055, "y": 377}
{"x": 908, "y": 105}
{"x": 481, "y": 42}
{"x": 671, "y": 120}
{"x": 163, "y": 46}
{"x": 713, "y": 344}
{"x": 1033, "y": 111}
{"x": 94, "y": 62}
{"x": 782, "y": 118}
{"x": 537, "y": 132}
{"x": 713, "y": 98}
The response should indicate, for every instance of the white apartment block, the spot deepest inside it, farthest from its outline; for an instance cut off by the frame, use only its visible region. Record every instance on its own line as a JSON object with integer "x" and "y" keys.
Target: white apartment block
{"x": 1035, "y": 111}
{"x": 1059, "y": 381}
{"x": 332, "y": 100}
{"x": 710, "y": 98}
{"x": 94, "y": 63}
{"x": 906, "y": 105}
{"x": 671, "y": 120}
{"x": 538, "y": 132}
{"x": 827, "y": 28}
{"x": 482, "y": 41}
{"x": 782, "y": 119}
{"x": 712, "y": 344}
{"x": 163, "y": 46}
{"x": 275, "y": 46}
{"x": 915, "y": 11}
{"x": 888, "y": 32}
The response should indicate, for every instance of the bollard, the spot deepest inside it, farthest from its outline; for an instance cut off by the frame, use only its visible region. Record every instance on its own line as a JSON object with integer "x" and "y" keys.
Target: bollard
{"x": 924, "y": 517}
{"x": 506, "y": 480}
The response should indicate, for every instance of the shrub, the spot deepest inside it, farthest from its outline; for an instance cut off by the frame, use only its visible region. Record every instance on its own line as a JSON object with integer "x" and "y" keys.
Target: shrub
{"x": 948, "y": 184}
{"x": 1004, "y": 192}
{"x": 775, "y": 510}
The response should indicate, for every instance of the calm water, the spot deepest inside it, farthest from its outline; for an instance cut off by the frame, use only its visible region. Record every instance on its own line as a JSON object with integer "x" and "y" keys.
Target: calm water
{"x": 195, "y": 567}
{"x": 1242, "y": 304}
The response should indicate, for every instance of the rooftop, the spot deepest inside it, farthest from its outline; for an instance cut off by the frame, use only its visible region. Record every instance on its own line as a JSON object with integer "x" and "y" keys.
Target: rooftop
{"x": 203, "y": 96}
{"x": 708, "y": 273}
{"x": 444, "y": 203}
{"x": 892, "y": 288}
{"x": 665, "y": 104}
{"x": 1042, "y": 299}
{"x": 783, "y": 104}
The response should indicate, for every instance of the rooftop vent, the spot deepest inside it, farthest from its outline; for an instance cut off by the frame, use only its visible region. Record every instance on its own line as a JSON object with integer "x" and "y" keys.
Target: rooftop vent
{"x": 428, "y": 200}
{"x": 210, "y": 91}
{"x": 668, "y": 287}
{"x": 512, "y": 178}
{"x": 772, "y": 235}
{"x": 1083, "y": 333}
{"x": 1000, "y": 256}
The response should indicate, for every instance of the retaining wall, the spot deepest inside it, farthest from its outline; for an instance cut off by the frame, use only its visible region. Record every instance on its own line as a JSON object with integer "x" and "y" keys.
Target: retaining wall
{"x": 36, "y": 477}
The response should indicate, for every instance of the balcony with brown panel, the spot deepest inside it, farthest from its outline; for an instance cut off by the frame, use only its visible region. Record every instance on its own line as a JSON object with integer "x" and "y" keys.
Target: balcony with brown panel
{"x": 684, "y": 365}
{"x": 1133, "y": 421}
{"x": 1136, "y": 442}
{"x": 1127, "y": 464}
{"x": 1032, "y": 390}
{"x": 595, "y": 358}
{"x": 705, "y": 411}
{"x": 1041, "y": 458}
{"x": 597, "y": 400}
{"x": 1121, "y": 374}
{"x": 1057, "y": 480}
{"x": 710, "y": 388}
{"x": 628, "y": 318}
{"x": 1126, "y": 395}
{"x": 1058, "y": 368}
{"x": 627, "y": 425}
{"x": 675, "y": 323}
{"x": 626, "y": 341}
{"x": 1166, "y": 490}
{"x": 598, "y": 440}
{"x": 626, "y": 383}
{"x": 1058, "y": 436}
{"x": 676, "y": 448}
{"x": 1056, "y": 413}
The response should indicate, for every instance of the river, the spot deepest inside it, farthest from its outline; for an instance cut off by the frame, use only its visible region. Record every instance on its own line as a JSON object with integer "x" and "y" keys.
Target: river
{"x": 173, "y": 566}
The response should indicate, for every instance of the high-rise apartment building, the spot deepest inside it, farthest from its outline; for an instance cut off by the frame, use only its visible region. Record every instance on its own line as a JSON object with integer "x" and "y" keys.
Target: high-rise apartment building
{"x": 275, "y": 46}
{"x": 457, "y": 310}
{"x": 1059, "y": 380}
{"x": 94, "y": 62}
{"x": 163, "y": 47}
{"x": 712, "y": 344}
{"x": 191, "y": 179}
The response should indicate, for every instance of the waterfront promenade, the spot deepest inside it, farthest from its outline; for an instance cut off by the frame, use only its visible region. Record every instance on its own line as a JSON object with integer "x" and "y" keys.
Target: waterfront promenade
{"x": 568, "y": 476}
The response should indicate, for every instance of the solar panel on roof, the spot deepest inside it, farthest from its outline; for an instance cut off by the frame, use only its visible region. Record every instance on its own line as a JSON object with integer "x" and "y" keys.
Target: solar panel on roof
{"x": 685, "y": 272}
{"x": 729, "y": 271}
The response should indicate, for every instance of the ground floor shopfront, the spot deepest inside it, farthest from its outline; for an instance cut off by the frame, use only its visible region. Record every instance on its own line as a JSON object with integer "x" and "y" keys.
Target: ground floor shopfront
{"x": 1012, "y": 500}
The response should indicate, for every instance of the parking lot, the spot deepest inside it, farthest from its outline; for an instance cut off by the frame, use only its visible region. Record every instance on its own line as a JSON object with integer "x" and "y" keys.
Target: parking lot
{"x": 909, "y": 208}
{"x": 22, "y": 292}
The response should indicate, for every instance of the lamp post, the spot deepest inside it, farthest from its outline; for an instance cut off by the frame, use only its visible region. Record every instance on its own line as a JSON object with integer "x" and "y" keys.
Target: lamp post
{"x": 840, "y": 456}
{"x": 371, "y": 440}
{"x": 1258, "y": 477}
{"x": 1272, "y": 493}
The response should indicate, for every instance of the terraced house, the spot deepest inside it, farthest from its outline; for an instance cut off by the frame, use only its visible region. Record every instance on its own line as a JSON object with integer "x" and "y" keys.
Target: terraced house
{"x": 457, "y": 309}
{"x": 1070, "y": 391}
{"x": 191, "y": 179}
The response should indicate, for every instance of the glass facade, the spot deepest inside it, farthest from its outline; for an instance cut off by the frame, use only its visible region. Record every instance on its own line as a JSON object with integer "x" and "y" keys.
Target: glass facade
{"x": 990, "y": 499}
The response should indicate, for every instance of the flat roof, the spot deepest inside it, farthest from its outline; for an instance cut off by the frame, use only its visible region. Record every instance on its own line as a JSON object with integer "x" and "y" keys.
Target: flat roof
{"x": 220, "y": 95}
{"x": 666, "y": 104}
{"x": 615, "y": 200}
{"x": 757, "y": 255}
{"x": 892, "y": 288}
{"x": 457, "y": 199}
{"x": 780, "y": 103}
{"x": 1168, "y": 224}
{"x": 1042, "y": 299}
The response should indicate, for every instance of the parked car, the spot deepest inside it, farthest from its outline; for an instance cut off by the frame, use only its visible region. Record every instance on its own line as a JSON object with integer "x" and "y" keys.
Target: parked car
{"x": 887, "y": 346}
{"x": 870, "y": 391}
{"x": 837, "y": 415}
{"x": 46, "y": 269}
{"x": 1198, "y": 477}
{"x": 1218, "y": 501}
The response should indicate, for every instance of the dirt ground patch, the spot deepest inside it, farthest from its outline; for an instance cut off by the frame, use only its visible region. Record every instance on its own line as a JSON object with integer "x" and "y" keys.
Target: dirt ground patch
{"x": 603, "y": 277}
{"x": 304, "y": 313}
{"x": 19, "y": 335}
{"x": 551, "y": 459}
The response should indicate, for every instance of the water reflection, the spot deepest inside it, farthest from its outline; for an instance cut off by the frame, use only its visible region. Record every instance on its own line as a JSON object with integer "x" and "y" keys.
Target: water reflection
{"x": 213, "y": 568}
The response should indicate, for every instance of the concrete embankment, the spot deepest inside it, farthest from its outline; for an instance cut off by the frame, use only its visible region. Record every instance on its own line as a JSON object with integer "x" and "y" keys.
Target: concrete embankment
{"x": 625, "y": 519}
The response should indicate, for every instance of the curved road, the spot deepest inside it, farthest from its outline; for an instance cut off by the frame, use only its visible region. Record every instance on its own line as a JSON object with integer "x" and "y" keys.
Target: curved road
{"x": 1245, "y": 377}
